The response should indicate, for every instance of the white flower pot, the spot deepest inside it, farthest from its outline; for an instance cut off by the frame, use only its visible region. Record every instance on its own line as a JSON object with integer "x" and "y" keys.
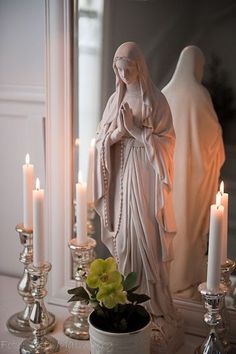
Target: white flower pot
{"x": 137, "y": 342}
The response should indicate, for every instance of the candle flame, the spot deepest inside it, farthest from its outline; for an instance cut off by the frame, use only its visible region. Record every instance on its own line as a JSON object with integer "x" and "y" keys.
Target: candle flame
{"x": 27, "y": 159}
{"x": 37, "y": 184}
{"x": 92, "y": 144}
{"x": 218, "y": 199}
{"x": 77, "y": 142}
{"x": 222, "y": 187}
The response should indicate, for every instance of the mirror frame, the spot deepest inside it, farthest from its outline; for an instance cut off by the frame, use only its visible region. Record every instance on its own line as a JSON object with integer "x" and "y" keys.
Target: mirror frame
{"x": 59, "y": 181}
{"x": 59, "y": 166}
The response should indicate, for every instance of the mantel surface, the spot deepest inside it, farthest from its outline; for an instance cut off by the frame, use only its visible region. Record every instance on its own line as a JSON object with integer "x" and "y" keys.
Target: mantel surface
{"x": 10, "y": 303}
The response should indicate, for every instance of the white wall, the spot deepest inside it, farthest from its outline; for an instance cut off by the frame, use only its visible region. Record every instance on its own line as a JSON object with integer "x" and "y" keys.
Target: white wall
{"x": 22, "y": 107}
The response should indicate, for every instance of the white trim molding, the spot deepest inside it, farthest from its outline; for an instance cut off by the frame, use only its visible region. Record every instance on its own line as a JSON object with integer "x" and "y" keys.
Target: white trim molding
{"x": 59, "y": 145}
{"x": 23, "y": 93}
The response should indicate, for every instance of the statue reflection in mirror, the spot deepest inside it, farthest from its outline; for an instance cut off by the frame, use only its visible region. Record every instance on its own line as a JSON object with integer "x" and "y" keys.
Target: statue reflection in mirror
{"x": 133, "y": 185}
{"x": 199, "y": 155}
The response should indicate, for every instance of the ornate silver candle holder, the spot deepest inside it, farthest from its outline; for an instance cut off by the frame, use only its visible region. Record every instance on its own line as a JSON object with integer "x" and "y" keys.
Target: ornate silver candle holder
{"x": 223, "y": 328}
{"x": 226, "y": 271}
{"x": 213, "y": 304}
{"x": 18, "y": 323}
{"x": 76, "y": 326}
{"x": 39, "y": 319}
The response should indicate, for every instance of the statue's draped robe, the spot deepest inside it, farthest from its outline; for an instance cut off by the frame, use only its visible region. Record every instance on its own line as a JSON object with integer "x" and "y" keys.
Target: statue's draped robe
{"x": 198, "y": 157}
{"x": 133, "y": 181}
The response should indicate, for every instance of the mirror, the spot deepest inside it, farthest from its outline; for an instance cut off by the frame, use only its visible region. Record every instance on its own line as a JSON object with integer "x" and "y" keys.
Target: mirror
{"x": 162, "y": 30}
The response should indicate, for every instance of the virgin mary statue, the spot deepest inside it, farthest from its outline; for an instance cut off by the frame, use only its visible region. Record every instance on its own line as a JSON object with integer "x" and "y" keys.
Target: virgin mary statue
{"x": 133, "y": 181}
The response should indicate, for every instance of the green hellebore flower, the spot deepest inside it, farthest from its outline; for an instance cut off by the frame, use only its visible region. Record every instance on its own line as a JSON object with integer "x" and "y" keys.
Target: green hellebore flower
{"x": 103, "y": 272}
{"x": 111, "y": 295}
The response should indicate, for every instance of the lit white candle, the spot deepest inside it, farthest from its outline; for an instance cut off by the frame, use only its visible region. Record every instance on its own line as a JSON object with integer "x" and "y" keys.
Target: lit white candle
{"x": 28, "y": 180}
{"x": 224, "y": 202}
{"x": 215, "y": 239}
{"x": 90, "y": 176}
{"x": 38, "y": 226}
{"x": 81, "y": 211}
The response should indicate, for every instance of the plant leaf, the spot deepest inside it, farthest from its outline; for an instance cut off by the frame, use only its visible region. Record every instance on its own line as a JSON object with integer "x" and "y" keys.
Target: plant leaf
{"x": 74, "y": 290}
{"x": 80, "y": 294}
{"x": 130, "y": 281}
{"x": 137, "y": 298}
{"x": 133, "y": 289}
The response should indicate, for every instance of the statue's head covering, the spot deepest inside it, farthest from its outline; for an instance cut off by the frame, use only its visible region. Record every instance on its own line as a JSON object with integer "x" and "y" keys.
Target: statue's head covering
{"x": 190, "y": 64}
{"x": 131, "y": 52}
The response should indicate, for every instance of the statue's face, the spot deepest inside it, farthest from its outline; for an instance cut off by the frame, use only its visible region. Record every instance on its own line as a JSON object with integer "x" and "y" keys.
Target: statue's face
{"x": 127, "y": 70}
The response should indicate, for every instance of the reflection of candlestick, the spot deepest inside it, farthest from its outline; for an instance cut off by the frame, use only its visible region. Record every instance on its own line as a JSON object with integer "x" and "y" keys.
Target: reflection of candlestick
{"x": 215, "y": 237}
{"x": 224, "y": 202}
{"x": 90, "y": 176}
{"x": 28, "y": 177}
{"x": 38, "y": 226}
{"x": 81, "y": 211}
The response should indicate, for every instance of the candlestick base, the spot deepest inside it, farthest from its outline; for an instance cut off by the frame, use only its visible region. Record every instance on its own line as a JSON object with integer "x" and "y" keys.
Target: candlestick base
{"x": 39, "y": 319}
{"x": 213, "y": 304}
{"x": 76, "y": 326}
{"x": 47, "y": 345}
{"x": 18, "y": 324}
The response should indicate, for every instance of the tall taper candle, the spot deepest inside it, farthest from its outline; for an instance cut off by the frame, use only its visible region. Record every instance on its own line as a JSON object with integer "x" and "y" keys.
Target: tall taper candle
{"x": 28, "y": 180}
{"x": 224, "y": 202}
{"x": 90, "y": 176}
{"x": 38, "y": 226}
{"x": 81, "y": 211}
{"x": 214, "y": 249}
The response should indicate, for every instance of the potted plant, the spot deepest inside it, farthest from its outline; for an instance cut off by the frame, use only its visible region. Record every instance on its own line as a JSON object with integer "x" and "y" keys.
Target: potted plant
{"x": 118, "y": 323}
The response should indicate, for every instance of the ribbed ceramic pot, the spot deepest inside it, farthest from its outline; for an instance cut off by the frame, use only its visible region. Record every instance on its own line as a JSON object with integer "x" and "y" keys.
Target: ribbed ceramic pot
{"x": 102, "y": 342}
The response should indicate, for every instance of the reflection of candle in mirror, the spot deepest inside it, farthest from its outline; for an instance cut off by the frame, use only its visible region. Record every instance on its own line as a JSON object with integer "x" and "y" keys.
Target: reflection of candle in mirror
{"x": 28, "y": 180}
{"x": 77, "y": 143}
{"x": 90, "y": 175}
{"x": 81, "y": 211}
{"x": 224, "y": 202}
{"x": 215, "y": 239}
{"x": 38, "y": 226}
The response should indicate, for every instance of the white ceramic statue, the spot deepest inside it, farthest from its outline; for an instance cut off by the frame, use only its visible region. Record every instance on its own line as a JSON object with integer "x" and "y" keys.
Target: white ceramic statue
{"x": 133, "y": 183}
{"x": 198, "y": 157}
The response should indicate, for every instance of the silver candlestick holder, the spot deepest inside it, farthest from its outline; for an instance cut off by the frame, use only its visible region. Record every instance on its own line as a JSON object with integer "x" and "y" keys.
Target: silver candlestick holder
{"x": 39, "y": 319}
{"x": 76, "y": 326}
{"x": 213, "y": 303}
{"x": 18, "y": 324}
{"x": 223, "y": 328}
{"x": 226, "y": 271}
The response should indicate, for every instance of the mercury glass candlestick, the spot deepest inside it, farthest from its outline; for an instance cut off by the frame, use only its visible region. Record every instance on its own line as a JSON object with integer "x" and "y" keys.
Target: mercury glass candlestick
{"x": 223, "y": 328}
{"x": 39, "y": 320}
{"x": 226, "y": 271}
{"x": 18, "y": 323}
{"x": 213, "y": 302}
{"x": 76, "y": 326}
